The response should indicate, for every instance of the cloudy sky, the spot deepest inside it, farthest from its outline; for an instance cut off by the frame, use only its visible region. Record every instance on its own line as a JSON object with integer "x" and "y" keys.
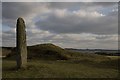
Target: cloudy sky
{"x": 66, "y": 24}
{"x": 59, "y": 0}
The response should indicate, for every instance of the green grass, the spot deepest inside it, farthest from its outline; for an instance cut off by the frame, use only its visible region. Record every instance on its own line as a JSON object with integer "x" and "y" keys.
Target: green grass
{"x": 114, "y": 57}
{"x": 59, "y": 69}
{"x": 51, "y": 61}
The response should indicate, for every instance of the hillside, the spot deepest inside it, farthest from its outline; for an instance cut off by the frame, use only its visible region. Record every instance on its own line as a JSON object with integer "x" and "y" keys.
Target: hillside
{"x": 50, "y": 51}
{"x": 47, "y": 51}
{"x": 40, "y": 51}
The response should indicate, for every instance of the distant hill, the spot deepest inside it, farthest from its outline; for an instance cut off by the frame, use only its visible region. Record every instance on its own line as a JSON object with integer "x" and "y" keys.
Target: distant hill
{"x": 96, "y": 51}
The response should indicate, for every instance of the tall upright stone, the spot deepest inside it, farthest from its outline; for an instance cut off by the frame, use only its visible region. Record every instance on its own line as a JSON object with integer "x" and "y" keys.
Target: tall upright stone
{"x": 21, "y": 44}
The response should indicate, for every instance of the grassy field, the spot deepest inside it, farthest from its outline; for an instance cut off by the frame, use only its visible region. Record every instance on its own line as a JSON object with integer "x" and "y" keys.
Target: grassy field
{"x": 60, "y": 69}
{"x": 51, "y": 61}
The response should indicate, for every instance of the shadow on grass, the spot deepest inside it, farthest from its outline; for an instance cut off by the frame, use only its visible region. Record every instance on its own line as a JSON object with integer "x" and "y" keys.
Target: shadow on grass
{"x": 10, "y": 69}
{"x": 29, "y": 67}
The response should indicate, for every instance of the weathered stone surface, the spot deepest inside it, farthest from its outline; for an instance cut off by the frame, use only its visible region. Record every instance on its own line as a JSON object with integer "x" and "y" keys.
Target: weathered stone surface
{"x": 21, "y": 43}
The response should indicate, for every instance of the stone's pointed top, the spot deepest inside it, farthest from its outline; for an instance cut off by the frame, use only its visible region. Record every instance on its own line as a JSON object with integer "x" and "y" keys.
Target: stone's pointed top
{"x": 20, "y": 19}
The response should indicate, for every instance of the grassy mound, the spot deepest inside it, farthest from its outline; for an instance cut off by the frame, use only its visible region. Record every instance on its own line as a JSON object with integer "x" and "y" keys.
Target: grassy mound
{"x": 50, "y": 51}
{"x": 47, "y": 51}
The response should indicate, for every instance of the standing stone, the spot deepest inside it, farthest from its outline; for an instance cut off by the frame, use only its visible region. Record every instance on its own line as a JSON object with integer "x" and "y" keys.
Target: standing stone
{"x": 21, "y": 44}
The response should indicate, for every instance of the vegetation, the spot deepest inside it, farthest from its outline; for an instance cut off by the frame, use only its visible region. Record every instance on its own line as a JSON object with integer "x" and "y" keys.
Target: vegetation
{"x": 59, "y": 69}
{"x": 50, "y": 61}
{"x": 47, "y": 51}
{"x": 42, "y": 51}
{"x": 108, "y": 54}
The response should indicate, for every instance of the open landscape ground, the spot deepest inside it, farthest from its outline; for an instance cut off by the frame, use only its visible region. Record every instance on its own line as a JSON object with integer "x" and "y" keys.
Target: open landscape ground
{"x": 59, "y": 69}
{"x": 79, "y": 65}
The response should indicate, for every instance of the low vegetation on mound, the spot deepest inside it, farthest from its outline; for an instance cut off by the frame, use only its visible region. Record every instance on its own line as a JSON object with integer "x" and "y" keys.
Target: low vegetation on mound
{"x": 47, "y": 51}
{"x": 50, "y": 51}
{"x": 41, "y": 51}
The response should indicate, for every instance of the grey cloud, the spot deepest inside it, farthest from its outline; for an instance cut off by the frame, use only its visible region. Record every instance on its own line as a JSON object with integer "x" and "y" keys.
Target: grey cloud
{"x": 65, "y": 41}
{"x": 8, "y": 38}
{"x": 61, "y": 0}
{"x": 81, "y": 5}
{"x": 75, "y": 24}
{"x": 13, "y": 10}
{"x": 66, "y": 25}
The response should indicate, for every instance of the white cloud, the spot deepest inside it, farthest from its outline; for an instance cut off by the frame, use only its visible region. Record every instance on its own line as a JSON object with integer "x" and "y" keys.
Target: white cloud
{"x": 83, "y": 13}
{"x": 60, "y": 13}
